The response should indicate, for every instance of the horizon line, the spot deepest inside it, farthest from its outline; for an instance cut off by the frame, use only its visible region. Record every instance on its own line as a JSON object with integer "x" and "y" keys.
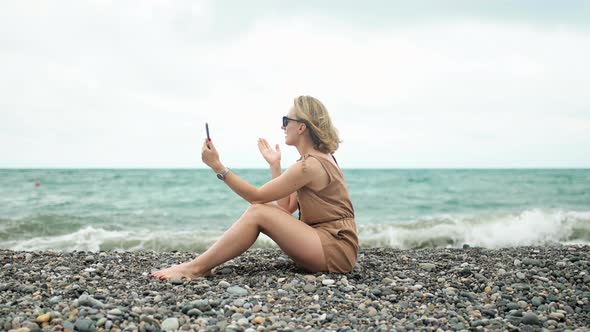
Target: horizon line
{"x": 265, "y": 168}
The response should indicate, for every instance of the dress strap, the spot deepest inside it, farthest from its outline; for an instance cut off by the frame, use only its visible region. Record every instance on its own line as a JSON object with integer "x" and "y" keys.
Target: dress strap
{"x": 335, "y": 160}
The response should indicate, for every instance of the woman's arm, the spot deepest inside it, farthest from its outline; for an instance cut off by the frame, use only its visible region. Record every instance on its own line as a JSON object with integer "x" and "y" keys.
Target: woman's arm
{"x": 275, "y": 171}
{"x": 278, "y": 188}
{"x": 293, "y": 203}
{"x": 273, "y": 158}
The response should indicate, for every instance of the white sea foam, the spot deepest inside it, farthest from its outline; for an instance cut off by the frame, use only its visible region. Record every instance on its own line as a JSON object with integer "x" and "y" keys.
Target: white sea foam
{"x": 85, "y": 239}
{"x": 96, "y": 239}
{"x": 530, "y": 227}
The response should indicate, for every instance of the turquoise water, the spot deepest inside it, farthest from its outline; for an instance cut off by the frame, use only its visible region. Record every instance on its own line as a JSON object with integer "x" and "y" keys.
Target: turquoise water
{"x": 189, "y": 209}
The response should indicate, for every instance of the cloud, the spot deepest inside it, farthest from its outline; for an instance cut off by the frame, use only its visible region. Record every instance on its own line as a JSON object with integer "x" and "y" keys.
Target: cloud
{"x": 111, "y": 84}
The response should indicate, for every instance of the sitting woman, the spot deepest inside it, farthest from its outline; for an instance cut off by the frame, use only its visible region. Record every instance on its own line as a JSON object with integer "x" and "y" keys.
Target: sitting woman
{"x": 324, "y": 238}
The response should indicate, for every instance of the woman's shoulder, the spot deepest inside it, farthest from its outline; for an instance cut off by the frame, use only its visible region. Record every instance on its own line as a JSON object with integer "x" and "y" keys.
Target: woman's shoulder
{"x": 322, "y": 159}
{"x": 318, "y": 161}
{"x": 310, "y": 162}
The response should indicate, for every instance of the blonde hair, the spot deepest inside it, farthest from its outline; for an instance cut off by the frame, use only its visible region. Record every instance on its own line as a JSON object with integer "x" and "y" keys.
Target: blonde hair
{"x": 315, "y": 115}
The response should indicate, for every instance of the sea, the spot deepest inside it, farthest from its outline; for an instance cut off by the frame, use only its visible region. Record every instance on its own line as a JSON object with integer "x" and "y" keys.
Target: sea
{"x": 188, "y": 209}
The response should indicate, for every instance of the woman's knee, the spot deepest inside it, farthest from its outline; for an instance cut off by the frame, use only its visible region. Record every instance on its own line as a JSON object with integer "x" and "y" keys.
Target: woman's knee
{"x": 259, "y": 208}
{"x": 255, "y": 213}
{"x": 255, "y": 209}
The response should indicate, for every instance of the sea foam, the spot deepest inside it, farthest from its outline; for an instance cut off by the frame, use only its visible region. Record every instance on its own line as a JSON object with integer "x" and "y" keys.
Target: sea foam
{"x": 529, "y": 227}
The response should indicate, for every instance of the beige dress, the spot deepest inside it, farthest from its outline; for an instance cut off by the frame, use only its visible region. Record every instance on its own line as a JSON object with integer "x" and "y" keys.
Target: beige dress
{"x": 329, "y": 211}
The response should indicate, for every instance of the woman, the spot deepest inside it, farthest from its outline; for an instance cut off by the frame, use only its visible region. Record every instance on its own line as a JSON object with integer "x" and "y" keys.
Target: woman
{"x": 324, "y": 239}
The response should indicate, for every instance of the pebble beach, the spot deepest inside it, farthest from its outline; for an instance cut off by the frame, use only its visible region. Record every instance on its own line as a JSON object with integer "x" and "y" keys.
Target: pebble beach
{"x": 469, "y": 289}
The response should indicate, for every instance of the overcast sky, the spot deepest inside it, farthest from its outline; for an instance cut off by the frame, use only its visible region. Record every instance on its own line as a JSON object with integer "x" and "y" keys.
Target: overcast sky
{"x": 409, "y": 84}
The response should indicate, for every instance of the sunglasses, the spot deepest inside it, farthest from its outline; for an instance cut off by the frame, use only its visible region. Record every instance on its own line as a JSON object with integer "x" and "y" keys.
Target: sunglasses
{"x": 286, "y": 121}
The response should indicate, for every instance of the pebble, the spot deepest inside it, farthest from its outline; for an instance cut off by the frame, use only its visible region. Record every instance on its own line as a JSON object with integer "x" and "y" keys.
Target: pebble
{"x": 536, "y": 301}
{"x": 194, "y": 312}
{"x": 85, "y": 325}
{"x": 385, "y": 281}
{"x": 372, "y": 312}
{"x": 512, "y": 306}
{"x": 389, "y": 289}
{"x": 170, "y": 324}
{"x": 328, "y": 282}
{"x": 309, "y": 288}
{"x": 116, "y": 312}
{"x": 55, "y": 299}
{"x": 101, "y": 322}
{"x": 530, "y": 318}
{"x": 450, "y": 291}
{"x": 237, "y": 290}
{"x": 43, "y": 318}
{"x": 310, "y": 279}
{"x": 531, "y": 261}
{"x": 68, "y": 326}
{"x": 427, "y": 266}
{"x": 258, "y": 320}
{"x": 89, "y": 301}
{"x": 177, "y": 281}
{"x": 557, "y": 316}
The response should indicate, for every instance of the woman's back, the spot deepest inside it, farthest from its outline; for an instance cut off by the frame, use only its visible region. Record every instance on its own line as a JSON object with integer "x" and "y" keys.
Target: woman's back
{"x": 332, "y": 202}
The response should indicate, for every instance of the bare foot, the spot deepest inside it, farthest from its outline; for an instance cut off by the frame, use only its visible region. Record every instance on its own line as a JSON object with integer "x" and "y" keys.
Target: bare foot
{"x": 184, "y": 270}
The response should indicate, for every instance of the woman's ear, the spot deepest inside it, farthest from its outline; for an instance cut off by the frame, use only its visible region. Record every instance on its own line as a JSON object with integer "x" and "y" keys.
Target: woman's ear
{"x": 302, "y": 127}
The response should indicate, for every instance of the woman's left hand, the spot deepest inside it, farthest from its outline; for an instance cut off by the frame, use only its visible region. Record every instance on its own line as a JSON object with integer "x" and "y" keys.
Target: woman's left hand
{"x": 272, "y": 157}
{"x": 210, "y": 156}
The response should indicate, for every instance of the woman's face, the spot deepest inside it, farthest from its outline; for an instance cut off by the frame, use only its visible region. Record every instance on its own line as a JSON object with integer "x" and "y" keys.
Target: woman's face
{"x": 291, "y": 129}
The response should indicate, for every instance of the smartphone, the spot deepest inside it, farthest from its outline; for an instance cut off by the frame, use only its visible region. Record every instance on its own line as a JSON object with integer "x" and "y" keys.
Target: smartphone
{"x": 207, "y": 130}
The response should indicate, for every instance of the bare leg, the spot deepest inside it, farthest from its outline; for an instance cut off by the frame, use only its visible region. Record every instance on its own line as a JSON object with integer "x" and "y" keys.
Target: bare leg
{"x": 298, "y": 240}
{"x": 236, "y": 240}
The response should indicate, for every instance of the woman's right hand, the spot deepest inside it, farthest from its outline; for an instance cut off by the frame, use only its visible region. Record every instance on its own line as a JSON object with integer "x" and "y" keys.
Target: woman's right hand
{"x": 271, "y": 156}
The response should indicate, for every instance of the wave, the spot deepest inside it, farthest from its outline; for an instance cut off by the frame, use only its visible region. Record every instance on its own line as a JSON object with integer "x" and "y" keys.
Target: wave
{"x": 96, "y": 239}
{"x": 528, "y": 228}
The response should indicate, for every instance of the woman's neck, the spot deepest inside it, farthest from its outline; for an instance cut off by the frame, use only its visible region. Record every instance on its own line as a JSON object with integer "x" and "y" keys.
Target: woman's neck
{"x": 304, "y": 149}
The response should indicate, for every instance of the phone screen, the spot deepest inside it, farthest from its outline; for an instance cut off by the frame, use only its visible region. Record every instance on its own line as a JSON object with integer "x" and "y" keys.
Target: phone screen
{"x": 207, "y": 130}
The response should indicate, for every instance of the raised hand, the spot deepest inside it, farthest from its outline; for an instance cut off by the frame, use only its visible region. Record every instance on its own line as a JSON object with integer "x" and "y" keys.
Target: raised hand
{"x": 271, "y": 155}
{"x": 210, "y": 155}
